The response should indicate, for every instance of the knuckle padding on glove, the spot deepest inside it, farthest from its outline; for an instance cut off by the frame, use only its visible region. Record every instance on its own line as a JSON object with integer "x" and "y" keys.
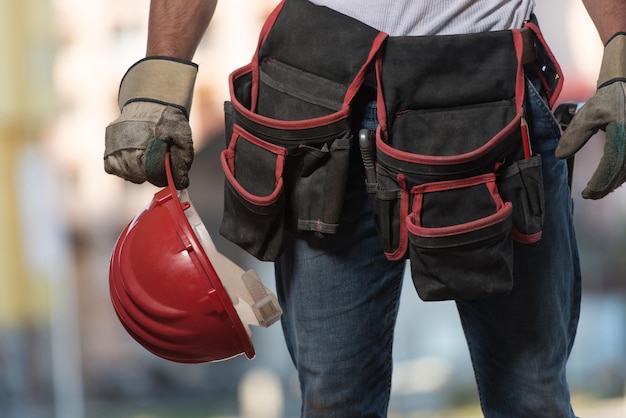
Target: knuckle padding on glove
{"x": 127, "y": 135}
{"x": 127, "y": 164}
{"x": 134, "y": 128}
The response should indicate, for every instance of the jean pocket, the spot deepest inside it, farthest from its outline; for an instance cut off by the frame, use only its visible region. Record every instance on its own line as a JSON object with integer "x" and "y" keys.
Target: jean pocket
{"x": 254, "y": 198}
{"x": 522, "y": 184}
{"x": 460, "y": 244}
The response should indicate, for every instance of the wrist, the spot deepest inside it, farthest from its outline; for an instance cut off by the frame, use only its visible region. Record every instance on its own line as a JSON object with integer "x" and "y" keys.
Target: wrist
{"x": 613, "y": 66}
{"x": 165, "y": 80}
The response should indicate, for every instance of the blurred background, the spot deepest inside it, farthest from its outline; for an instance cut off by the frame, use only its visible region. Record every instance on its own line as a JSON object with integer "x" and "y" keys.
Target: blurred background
{"x": 63, "y": 354}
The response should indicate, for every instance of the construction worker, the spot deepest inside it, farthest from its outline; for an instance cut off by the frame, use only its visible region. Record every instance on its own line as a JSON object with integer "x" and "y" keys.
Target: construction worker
{"x": 439, "y": 87}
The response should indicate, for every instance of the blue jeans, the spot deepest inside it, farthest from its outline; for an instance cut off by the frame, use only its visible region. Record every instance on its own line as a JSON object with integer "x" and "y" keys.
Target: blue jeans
{"x": 340, "y": 299}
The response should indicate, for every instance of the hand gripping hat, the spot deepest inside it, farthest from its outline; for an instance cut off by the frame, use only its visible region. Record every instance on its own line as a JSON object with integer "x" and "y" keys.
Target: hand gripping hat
{"x": 175, "y": 294}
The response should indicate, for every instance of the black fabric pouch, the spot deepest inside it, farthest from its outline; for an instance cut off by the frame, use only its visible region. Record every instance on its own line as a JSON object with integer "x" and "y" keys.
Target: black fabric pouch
{"x": 450, "y": 123}
{"x": 460, "y": 243}
{"x": 254, "y": 198}
{"x": 288, "y": 126}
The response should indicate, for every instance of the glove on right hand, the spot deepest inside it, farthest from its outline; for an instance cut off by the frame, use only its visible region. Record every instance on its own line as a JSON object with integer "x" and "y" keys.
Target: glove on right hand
{"x": 606, "y": 110}
{"x": 154, "y": 99}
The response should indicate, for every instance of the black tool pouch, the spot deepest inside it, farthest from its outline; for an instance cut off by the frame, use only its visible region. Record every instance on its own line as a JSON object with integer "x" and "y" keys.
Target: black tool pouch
{"x": 453, "y": 160}
{"x": 288, "y": 126}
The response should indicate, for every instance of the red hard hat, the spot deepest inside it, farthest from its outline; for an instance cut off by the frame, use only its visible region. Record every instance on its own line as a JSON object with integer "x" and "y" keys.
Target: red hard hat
{"x": 175, "y": 294}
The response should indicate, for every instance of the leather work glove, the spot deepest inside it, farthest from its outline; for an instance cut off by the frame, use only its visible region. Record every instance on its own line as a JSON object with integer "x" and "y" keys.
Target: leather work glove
{"x": 606, "y": 111}
{"x": 154, "y": 100}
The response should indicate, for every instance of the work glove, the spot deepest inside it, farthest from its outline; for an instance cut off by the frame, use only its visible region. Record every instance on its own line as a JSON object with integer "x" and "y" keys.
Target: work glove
{"x": 154, "y": 100}
{"x": 604, "y": 111}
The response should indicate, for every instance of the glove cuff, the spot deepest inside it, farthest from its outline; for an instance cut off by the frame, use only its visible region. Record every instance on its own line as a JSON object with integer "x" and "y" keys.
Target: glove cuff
{"x": 163, "y": 80}
{"x": 613, "y": 66}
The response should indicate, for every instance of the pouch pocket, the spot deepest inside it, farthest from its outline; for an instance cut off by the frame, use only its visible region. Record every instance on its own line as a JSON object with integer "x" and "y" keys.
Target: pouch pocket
{"x": 460, "y": 243}
{"x": 319, "y": 180}
{"x": 316, "y": 151}
{"x": 254, "y": 199}
{"x": 522, "y": 184}
{"x": 288, "y": 93}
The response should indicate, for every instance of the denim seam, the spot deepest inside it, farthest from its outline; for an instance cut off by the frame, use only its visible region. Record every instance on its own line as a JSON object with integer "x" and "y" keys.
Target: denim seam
{"x": 471, "y": 353}
{"x": 394, "y": 308}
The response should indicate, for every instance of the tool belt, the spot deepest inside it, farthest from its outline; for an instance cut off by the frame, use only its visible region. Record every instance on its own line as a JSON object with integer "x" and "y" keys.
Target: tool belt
{"x": 454, "y": 182}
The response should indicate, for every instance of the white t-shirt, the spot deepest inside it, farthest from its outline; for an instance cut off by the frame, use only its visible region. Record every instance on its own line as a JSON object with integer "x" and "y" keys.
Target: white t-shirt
{"x": 435, "y": 17}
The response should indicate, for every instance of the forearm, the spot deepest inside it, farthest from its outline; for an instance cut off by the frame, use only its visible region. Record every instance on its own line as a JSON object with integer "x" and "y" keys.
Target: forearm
{"x": 609, "y": 16}
{"x": 176, "y": 26}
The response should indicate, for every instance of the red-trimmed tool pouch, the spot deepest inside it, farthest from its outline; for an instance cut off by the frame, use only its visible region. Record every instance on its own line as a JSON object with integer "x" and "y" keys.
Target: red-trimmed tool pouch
{"x": 466, "y": 251}
{"x": 450, "y": 125}
{"x": 288, "y": 126}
